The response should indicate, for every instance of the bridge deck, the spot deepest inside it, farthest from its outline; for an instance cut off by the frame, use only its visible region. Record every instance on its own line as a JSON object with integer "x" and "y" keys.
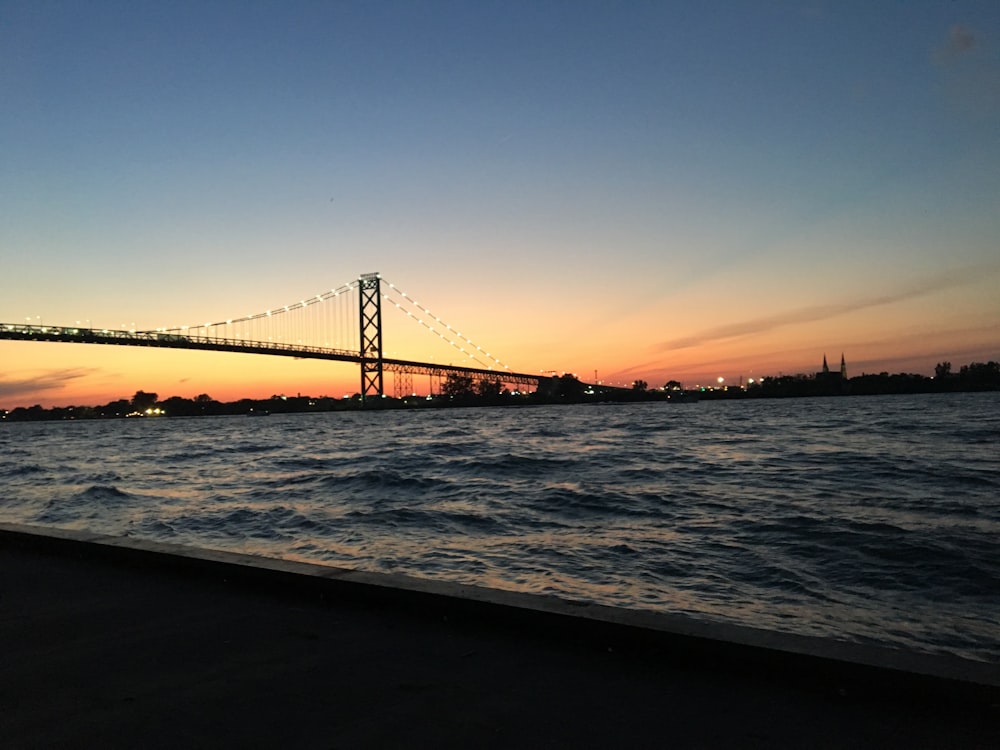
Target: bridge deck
{"x": 193, "y": 341}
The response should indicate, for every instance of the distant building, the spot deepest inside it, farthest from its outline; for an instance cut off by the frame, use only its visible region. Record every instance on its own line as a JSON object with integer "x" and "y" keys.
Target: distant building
{"x": 830, "y": 380}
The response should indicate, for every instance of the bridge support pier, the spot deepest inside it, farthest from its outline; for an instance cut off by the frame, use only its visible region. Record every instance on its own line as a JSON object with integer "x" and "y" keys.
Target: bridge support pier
{"x": 402, "y": 383}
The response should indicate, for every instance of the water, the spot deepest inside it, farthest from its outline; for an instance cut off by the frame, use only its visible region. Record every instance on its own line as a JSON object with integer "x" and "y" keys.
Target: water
{"x": 865, "y": 519}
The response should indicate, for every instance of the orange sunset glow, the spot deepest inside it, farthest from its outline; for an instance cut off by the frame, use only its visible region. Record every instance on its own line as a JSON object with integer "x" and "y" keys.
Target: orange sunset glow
{"x": 602, "y": 192}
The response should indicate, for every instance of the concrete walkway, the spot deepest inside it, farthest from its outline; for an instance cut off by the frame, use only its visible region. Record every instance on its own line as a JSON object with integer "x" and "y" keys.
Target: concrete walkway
{"x": 116, "y": 643}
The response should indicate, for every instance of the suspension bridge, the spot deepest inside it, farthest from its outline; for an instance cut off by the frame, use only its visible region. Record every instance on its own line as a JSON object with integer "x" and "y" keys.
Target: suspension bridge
{"x": 342, "y": 324}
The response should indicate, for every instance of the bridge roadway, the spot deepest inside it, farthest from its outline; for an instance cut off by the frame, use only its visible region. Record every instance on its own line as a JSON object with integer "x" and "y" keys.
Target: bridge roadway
{"x": 116, "y": 337}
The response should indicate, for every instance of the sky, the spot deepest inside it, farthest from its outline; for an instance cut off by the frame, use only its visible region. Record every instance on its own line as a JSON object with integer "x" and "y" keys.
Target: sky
{"x": 639, "y": 190}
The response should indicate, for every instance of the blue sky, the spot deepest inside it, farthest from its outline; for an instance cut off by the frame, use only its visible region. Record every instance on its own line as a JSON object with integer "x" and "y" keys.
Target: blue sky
{"x": 582, "y": 185}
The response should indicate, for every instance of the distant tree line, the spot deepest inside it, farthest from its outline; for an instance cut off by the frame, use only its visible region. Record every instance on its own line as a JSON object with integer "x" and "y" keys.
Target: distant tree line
{"x": 455, "y": 390}
{"x": 465, "y": 390}
{"x": 978, "y": 376}
{"x": 144, "y": 404}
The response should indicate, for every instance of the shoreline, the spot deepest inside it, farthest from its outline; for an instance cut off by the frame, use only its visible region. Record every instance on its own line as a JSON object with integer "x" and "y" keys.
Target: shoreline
{"x": 111, "y": 642}
{"x": 181, "y": 408}
{"x": 738, "y": 643}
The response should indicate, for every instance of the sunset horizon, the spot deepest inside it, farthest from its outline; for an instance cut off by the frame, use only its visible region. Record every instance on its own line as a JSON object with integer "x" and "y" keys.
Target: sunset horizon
{"x": 651, "y": 192}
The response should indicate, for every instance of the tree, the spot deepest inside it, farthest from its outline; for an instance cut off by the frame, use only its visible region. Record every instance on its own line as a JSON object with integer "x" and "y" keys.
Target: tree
{"x": 640, "y": 385}
{"x": 457, "y": 386}
{"x": 118, "y": 408}
{"x": 175, "y": 406}
{"x": 673, "y": 385}
{"x": 567, "y": 387}
{"x": 489, "y": 389}
{"x": 142, "y": 400}
{"x": 942, "y": 369}
{"x": 980, "y": 374}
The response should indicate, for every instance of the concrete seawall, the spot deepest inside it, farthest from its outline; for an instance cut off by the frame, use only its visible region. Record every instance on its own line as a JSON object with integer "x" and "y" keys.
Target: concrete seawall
{"x": 652, "y": 656}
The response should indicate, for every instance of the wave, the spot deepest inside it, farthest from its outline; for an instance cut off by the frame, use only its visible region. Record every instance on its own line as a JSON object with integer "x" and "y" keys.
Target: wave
{"x": 868, "y": 519}
{"x": 92, "y": 503}
{"x": 21, "y": 470}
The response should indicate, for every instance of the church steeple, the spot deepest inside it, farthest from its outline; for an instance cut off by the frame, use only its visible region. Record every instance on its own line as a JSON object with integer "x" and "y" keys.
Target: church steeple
{"x": 843, "y": 367}
{"x": 826, "y": 367}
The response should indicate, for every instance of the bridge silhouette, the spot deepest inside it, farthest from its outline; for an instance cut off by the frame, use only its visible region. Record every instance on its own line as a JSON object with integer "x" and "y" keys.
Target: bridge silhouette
{"x": 306, "y": 329}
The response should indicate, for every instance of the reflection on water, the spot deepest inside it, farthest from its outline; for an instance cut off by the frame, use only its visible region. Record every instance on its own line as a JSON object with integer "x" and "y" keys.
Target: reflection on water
{"x": 872, "y": 519}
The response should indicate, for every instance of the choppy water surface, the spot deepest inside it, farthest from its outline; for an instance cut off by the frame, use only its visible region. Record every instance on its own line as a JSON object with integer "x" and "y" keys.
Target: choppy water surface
{"x": 867, "y": 519}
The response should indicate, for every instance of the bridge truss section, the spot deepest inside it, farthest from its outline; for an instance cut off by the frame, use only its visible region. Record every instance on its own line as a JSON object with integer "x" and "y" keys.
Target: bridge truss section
{"x": 370, "y": 315}
{"x": 406, "y": 370}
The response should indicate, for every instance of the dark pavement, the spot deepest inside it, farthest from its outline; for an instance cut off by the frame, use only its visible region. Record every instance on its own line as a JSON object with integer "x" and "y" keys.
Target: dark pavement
{"x": 103, "y": 650}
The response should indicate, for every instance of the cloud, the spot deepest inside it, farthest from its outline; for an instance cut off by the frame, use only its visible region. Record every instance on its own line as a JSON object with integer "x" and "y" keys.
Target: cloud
{"x": 961, "y": 40}
{"x": 937, "y": 283}
{"x": 640, "y": 368}
{"x": 925, "y": 348}
{"x": 52, "y": 380}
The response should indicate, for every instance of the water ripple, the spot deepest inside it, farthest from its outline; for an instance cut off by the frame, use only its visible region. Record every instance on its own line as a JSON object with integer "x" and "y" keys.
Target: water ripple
{"x": 873, "y": 520}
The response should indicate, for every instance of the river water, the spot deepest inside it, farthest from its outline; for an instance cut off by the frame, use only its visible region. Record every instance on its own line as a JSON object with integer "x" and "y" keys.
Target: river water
{"x": 872, "y": 520}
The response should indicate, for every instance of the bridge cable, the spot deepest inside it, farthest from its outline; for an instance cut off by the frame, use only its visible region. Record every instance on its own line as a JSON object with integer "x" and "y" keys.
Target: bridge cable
{"x": 440, "y": 334}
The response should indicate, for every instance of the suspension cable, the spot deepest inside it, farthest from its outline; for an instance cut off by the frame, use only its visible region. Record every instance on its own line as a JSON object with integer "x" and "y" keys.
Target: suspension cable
{"x": 447, "y": 327}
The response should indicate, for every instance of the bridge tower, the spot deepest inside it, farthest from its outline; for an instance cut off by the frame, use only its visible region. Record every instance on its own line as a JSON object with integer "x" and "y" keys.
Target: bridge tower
{"x": 370, "y": 314}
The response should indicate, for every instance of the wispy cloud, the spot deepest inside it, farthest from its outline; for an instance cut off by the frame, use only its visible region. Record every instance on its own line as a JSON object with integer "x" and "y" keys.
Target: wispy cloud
{"x": 812, "y": 314}
{"x": 49, "y": 381}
